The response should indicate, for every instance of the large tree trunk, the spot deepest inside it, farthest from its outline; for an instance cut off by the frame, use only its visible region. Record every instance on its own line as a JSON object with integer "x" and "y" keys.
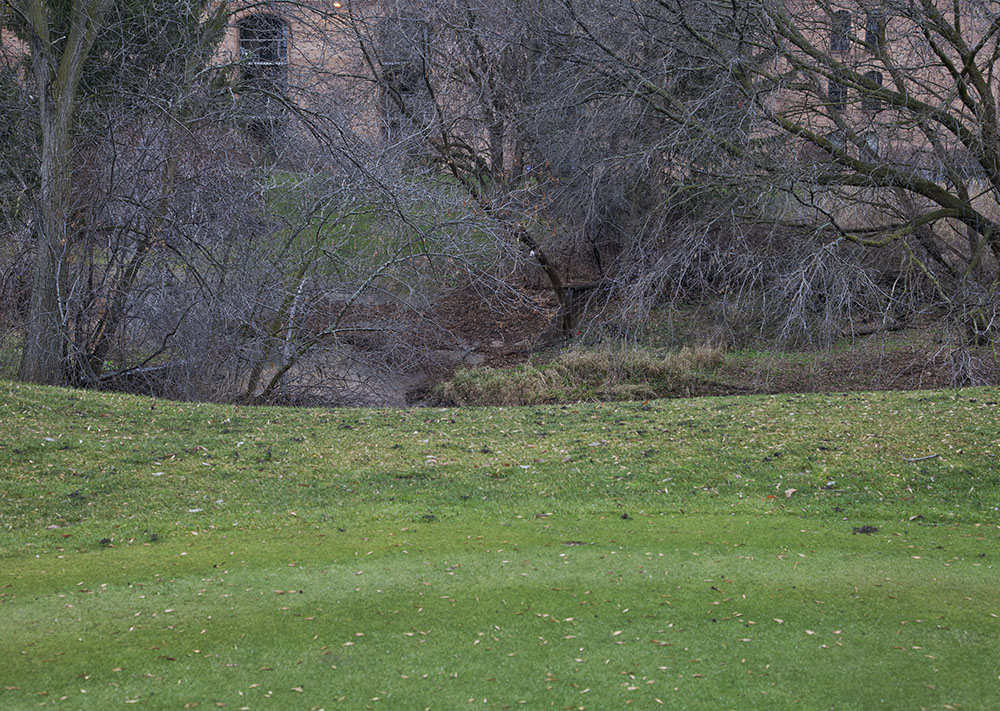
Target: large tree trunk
{"x": 44, "y": 343}
{"x": 57, "y": 64}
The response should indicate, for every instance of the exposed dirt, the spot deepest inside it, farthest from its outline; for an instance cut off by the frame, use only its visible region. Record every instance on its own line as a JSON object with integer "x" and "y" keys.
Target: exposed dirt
{"x": 500, "y": 335}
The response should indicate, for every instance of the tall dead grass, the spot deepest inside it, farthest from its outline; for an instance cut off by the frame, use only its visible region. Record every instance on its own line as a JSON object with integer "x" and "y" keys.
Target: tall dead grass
{"x": 588, "y": 374}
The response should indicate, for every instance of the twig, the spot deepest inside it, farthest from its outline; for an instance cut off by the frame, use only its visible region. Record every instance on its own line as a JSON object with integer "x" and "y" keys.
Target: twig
{"x": 920, "y": 459}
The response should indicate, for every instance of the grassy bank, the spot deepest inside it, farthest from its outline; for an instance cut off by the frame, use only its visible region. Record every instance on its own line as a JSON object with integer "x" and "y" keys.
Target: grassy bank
{"x": 760, "y": 552}
{"x": 602, "y": 374}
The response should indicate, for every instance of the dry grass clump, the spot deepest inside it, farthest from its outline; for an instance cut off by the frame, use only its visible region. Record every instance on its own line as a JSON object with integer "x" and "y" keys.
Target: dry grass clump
{"x": 597, "y": 374}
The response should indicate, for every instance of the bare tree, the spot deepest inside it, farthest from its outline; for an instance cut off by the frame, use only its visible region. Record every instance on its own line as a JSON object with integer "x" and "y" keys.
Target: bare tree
{"x": 230, "y": 229}
{"x": 475, "y": 94}
{"x": 96, "y": 49}
{"x": 263, "y": 204}
{"x": 844, "y": 129}
{"x": 59, "y": 55}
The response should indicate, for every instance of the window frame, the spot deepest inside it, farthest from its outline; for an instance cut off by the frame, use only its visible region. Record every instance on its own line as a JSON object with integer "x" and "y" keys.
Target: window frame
{"x": 871, "y": 102}
{"x": 262, "y": 42}
{"x": 875, "y": 30}
{"x": 840, "y": 31}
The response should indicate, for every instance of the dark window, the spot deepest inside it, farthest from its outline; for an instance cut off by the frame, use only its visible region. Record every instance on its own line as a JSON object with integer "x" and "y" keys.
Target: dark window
{"x": 840, "y": 31}
{"x": 875, "y": 30}
{"x": 837, "y": 94}
{"x": 871, "y": 101}
{"x": 263, "y": 52}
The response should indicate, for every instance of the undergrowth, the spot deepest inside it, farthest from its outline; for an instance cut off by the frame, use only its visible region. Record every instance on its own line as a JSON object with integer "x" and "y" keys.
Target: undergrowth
{"x": 603, "y": 373}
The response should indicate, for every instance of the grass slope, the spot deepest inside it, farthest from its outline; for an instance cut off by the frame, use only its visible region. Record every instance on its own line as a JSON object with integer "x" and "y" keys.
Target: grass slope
{"x": 687, "y": 554}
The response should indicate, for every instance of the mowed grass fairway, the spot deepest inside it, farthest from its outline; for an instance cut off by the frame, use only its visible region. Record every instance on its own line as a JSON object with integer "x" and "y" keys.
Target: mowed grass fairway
{"x": 718, "y": 553}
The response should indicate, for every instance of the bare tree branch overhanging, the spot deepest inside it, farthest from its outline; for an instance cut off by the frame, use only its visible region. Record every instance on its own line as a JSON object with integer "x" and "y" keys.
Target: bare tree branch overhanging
{"x": 260, "y": 202}
{"x": 867, "y": 123}
{"x": 215, "y": 210}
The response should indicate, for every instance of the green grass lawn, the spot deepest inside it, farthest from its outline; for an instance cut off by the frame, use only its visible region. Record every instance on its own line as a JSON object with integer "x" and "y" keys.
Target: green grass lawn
{"x": 717, "y": 553}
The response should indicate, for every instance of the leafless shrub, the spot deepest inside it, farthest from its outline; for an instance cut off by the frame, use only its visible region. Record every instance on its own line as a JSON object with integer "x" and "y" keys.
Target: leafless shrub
{"x": 253, "y": 229}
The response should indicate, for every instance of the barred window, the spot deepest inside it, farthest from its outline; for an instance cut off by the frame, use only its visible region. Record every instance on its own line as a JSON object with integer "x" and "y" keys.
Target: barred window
{"x": 875, "y": 30}
{"x": 263, "y": 51}
{"x": 840, "y": 31}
